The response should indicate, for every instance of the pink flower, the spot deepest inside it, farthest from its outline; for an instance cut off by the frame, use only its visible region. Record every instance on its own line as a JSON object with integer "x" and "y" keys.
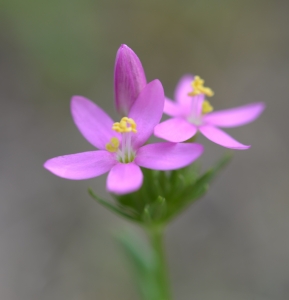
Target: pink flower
{"x": 192, "y": 113}
{"x": 122, "y": 150}
{"x": 129, "y": 79}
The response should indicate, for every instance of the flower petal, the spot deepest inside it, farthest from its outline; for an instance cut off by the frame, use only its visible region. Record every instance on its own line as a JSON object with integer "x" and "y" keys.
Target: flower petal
{"x": 81, "y": 165}
{"x": 183, "y": 88}
{"x": 147, "y": 112}
{"x": 220, "y": 137}
{"x": 235, "y": 116}
{"x": 168, "y": 156}
{"x": 175, "y": 130}
{"x": 129, "y": 79}
{"x": 124, "y": 178}
{"x": 94, "y": 124}
{"x": 173, "y": 108}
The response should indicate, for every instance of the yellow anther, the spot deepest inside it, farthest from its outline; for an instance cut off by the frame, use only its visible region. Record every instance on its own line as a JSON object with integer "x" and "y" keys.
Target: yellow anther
{"x": 206, "y": 107}
{"x": 113, "y": 145}
{"x": 199, "y": 88}
{"x": 125, "y": 125}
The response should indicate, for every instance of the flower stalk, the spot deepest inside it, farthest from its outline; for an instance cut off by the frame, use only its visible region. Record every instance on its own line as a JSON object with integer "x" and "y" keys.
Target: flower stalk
{"x": 156, "y": 236}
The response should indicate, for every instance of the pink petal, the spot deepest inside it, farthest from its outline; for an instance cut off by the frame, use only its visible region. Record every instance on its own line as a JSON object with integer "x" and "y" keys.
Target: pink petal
{"x": 220, "y": 137}
{"x": 175, "y": 130}
{"x": 173, "y": 109}
{"x": 129, "y": 79}
{"x": 81, "y": 165}
{"x": 168, "y": 156}
{"x": 124, "y": 178}
{"x": 147, "y": 112}
{"x": 235, "y": 116}
{"x": 94, "y": 124}
{"x": 183, "y": 88}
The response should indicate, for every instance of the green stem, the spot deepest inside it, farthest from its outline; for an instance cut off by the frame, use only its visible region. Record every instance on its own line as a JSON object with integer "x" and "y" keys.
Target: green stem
{"x": 156, "y": 235}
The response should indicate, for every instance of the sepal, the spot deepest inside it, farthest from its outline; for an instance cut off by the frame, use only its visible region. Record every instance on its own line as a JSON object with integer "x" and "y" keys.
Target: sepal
{"x": 155, "y": 211}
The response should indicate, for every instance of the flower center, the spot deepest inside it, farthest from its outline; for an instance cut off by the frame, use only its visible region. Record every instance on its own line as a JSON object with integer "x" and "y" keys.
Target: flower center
{"x": 125, "y": 153}
{"x": 196, "y": 116}
{"x": 199, "y": 106}
{"x": 199, "y": 88}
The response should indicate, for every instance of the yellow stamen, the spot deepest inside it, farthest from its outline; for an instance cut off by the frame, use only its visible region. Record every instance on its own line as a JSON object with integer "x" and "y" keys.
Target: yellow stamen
{"x": 125, "y": 125}
{"x": 206, "y": 107}
{"x": 199, "y": 88}
{"x": 113, "y": 145}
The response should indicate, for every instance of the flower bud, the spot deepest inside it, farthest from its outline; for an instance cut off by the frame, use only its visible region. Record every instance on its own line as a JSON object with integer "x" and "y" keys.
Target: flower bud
{"x": 129, "y": 79}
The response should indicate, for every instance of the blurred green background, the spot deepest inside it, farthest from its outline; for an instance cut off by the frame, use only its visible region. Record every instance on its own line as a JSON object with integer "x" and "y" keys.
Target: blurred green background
{"x": 55, "y": 242}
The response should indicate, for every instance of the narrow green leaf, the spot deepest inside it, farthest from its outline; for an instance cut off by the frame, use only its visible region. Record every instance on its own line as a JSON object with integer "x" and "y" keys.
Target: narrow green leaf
{"x": 218, "y": 167}
{"x": 195, "y": 191}
{"x": 111, "y": 207}
{"x": 202, "y": 182}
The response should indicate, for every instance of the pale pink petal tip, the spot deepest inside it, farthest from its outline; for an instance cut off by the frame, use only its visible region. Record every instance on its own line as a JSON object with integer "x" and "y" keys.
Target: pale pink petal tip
{"x": 129, "y": 79}
{"x": 124, "y": 179}
{"x": 235, "y": 116}
{"x": 175, "y": 130}
{"x": 220, "y": 137}
{"x": 81, "y": 165}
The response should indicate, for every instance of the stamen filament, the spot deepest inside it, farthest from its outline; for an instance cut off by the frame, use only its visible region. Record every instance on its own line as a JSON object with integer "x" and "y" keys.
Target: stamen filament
{"x": 126, "y": 127}
{"x": 128, "y": 145}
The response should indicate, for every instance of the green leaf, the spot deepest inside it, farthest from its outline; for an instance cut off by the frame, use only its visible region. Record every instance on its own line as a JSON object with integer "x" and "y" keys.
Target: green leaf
{"x": 195, "y": 191}
{"x": 112, "y": 207}
{"x": 211, "y": 173}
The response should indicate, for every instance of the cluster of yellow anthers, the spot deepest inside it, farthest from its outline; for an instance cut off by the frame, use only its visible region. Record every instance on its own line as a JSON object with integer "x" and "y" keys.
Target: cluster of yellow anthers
{"x": 113, "y": 145}
{"x": 125, "y": 125}
{"x": 199, "y": 88}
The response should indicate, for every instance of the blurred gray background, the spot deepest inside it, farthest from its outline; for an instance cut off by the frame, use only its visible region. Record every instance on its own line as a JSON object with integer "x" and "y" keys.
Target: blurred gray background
{"x": 55, "y": 242}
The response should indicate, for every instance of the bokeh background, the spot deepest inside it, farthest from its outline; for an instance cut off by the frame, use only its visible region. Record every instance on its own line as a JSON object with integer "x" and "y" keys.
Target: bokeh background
{"x": 55, "y": 242}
